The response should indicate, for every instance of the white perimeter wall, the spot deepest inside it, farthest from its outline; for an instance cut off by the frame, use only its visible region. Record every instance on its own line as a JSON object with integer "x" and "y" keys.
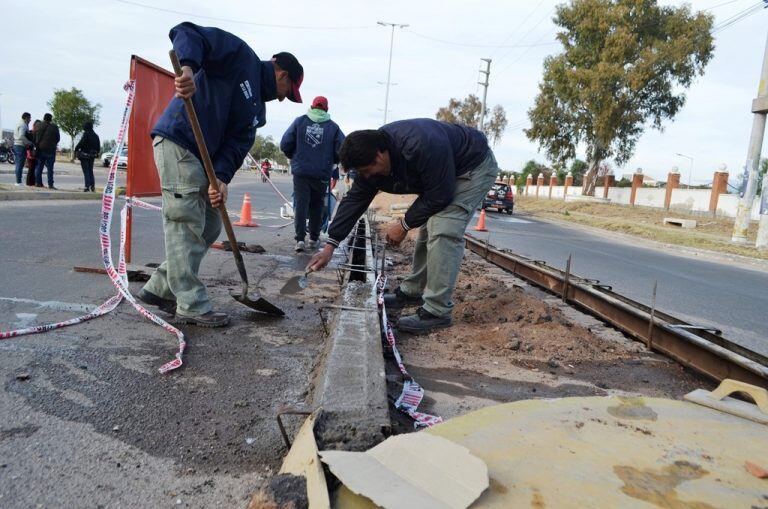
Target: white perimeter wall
{"x": 690, "y": 200}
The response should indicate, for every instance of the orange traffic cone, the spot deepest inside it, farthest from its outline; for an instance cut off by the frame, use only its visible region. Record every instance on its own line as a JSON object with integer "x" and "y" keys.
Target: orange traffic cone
{"x": 481, "y": 222}
{"x": 245, "y": 213}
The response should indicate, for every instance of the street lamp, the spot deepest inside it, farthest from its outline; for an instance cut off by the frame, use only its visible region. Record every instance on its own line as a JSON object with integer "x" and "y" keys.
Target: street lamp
{"x": 690, "y": 171}
{"x": 389, "y": 67}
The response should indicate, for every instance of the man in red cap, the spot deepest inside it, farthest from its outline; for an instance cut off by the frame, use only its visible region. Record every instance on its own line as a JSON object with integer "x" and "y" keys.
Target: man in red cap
{"x": 312, "y": 144}
{"x": 229, "y": 86}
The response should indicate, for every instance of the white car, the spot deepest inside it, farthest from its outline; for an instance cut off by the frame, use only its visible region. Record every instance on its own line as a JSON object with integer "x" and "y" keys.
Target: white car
{"x": 122, "y": 161}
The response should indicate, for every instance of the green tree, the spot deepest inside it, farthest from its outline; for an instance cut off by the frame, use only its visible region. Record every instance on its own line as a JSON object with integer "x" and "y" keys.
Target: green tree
{"x": 266, "y": 148}
{"x": 467, "y": 111}
{"x": 624, "y": 64}
{"x": 70, "y": 109}
{"x": 533, "y": 168}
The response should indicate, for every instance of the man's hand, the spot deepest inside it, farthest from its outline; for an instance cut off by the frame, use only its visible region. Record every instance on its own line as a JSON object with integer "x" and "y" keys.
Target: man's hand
{"x": 185, "y": 84}
{"x": 396, "y": 233}
{"x": 321, "y": 258}
{"x": 220, "y": 197}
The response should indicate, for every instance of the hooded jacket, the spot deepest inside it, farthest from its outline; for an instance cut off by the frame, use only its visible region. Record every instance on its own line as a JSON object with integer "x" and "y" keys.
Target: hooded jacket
{"x": 312, "y": 143}
{"x": 232, "y": 87}
{"x": 89, "y": 144}
{"x": 426, "y": 156}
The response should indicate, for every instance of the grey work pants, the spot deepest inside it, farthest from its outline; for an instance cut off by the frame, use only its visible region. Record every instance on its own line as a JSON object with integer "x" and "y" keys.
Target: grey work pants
{"x": 190, "y": 225}
{"x": 440, "y": 244}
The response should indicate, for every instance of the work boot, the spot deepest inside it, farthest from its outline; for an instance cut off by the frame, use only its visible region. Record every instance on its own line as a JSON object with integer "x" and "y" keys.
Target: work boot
{"x": 399, "y": 300}
{"x": 422, "y": 322}
{"x": 167, "y": 305}
{"x": 210, "y": 319}
{"x": 300, "y": 246}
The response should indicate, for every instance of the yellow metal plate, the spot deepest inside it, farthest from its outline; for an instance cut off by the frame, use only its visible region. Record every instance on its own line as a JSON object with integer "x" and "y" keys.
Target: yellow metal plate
{"x": 613, "y": 452}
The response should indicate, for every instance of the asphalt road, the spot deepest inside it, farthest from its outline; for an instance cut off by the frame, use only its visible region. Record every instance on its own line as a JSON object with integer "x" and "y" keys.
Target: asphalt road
{"x": 95, "y": 424}
{"x": 725, "y": 296}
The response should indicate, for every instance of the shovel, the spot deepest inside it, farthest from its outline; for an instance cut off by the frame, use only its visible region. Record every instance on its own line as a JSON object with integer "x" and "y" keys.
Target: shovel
{"x": 296, "y": 284}
{"x": 257, "y": 302}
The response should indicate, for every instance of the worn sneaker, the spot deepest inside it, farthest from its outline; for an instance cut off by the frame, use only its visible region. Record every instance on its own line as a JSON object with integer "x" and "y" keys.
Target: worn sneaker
{"x": 300, "y": 246}
{"x": 422, "y": 322}
{"x": 313, "y": 244}
{"x": 17, "y": 184}
{"x": 399, "y": 300}
{"x": 167, "y": 305}
{"x": 53, "y": 187}
{"x": 210, "y": 319}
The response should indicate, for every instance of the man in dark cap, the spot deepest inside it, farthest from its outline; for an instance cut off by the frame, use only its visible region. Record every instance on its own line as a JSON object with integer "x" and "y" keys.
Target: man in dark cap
{"x": 229, "y": 86}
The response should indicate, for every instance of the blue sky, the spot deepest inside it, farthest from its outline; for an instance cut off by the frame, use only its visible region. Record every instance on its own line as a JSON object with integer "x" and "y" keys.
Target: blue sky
{"x": 88, "y": 44}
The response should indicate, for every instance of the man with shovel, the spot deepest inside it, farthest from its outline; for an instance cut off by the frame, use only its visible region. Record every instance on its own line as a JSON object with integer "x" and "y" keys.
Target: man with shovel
{"x": 229, "y": 86}
{"x": 451, "y": 168}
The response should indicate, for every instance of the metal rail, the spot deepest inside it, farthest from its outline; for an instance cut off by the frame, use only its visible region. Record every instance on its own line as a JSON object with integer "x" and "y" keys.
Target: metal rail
{"x": 698, "y": 348}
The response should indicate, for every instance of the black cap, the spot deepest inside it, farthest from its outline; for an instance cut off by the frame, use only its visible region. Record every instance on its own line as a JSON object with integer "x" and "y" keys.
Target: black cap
{"x": 290, "y": 64}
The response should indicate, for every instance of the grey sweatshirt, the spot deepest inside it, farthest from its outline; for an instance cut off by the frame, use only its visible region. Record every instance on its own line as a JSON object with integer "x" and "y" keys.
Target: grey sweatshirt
{"x": 20, "y": 134}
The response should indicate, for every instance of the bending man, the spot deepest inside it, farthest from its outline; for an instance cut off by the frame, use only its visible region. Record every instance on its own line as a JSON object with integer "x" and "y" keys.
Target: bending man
{"x": 451, "y": 168}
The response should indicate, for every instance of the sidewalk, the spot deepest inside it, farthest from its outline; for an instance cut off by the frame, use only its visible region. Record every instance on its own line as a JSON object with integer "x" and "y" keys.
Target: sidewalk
{"x": 68, "y": 180}
{"x": 712, "y": 234}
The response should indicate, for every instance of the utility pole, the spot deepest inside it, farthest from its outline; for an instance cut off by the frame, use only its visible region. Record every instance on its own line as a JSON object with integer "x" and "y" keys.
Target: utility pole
{"x": 744, "y": 212}
{"x": 389, "y": 67}
{"x": 487, "y": 73}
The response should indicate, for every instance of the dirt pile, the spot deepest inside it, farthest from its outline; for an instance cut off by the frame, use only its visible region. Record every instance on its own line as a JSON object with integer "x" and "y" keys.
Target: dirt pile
{"x": 511, "y": 341}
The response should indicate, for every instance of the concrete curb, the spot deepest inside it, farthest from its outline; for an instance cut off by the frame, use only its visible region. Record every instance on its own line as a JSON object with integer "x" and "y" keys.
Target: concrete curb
{"x": 47, "y": 195}
{"x": 350, "y": 386}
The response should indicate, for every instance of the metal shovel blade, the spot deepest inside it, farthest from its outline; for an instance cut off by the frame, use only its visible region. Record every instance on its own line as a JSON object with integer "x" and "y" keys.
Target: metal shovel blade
{"x": 258, "y": 304}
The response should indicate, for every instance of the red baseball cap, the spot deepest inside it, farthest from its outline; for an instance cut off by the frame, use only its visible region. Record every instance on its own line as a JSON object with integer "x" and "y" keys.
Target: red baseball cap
{"x": 289, "y": 63}
{"x": 320, "y": 102}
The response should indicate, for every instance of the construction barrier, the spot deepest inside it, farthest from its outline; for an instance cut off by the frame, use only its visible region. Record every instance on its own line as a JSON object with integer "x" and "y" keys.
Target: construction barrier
{"x": 154, "y": 89}
{"x": 118, "y": 275}
{"x": 412, "y": 394}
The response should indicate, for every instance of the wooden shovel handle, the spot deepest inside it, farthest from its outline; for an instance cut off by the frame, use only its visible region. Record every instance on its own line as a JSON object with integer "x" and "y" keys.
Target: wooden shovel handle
{"x": 208, "y": 165}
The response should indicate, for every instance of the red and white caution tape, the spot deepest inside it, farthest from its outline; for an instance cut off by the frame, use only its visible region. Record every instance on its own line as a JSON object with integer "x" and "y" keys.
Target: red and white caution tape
{"x": 412, "y": 394}
{"x": 118, "y": 275}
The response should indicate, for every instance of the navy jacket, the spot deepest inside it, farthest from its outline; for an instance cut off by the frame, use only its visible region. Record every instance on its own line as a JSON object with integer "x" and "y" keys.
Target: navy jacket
{"x": 426, "y": 157}
{"x": 232, "y": 87}
{"x": 312, "y": 147}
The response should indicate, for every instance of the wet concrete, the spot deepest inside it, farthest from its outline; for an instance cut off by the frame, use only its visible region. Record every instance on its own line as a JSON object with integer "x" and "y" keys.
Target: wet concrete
{"x": 95, "y": 424}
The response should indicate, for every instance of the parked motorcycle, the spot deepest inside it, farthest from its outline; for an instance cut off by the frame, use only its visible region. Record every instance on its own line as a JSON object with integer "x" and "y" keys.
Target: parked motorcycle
{"x": 6, "y": 155}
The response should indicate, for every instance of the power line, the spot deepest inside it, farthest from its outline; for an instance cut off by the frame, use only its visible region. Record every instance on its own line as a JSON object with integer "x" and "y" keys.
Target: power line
{"x": 722, "y": 4}
{"x": 749, "y": 11}
{"x": 242, "y": 22}
{"x": 518, "y": 27}
{"x": 521, "y": 55}
{"x": 546, "y": 15}
{"x": 466, "y": 45}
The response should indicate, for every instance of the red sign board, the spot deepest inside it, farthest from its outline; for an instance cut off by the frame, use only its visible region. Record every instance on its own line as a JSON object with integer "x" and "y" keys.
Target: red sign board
{"x": 154, "y": 90}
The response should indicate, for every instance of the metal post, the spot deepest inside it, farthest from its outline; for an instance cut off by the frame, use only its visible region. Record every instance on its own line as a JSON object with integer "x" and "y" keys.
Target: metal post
{"x": 649, "y": 338}
{"x": 744, "y": 211}
{"x": 389, "y": 66}
{"x": 487, "y": 73}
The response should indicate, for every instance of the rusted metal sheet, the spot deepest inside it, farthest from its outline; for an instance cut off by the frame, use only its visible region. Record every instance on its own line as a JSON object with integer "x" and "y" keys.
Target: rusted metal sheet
{"x": 700, "y": 349}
